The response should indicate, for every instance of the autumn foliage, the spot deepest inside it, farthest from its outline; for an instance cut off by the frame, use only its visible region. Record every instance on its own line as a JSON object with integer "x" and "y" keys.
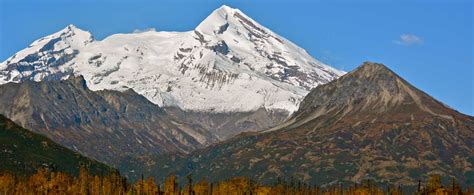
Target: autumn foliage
{"x": 46, "y": 182}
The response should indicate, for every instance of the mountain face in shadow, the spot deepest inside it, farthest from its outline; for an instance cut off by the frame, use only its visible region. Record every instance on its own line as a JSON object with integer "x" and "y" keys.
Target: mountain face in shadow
{"x": 368, "y": 124}
{"x": 23, "y": 152}
{"x": 104, "y": 125}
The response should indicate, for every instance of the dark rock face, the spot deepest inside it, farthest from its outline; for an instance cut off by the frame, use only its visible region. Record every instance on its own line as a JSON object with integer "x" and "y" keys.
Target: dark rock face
{"x": 220, "y": 47}
{"x": 369, "y": 123}
{"x": 105, "y": 125}
{"x": 223, "y": 28}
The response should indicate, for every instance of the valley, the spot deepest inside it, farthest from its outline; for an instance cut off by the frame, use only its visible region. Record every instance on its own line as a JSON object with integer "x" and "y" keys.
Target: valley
{"x": 228, "y": 107}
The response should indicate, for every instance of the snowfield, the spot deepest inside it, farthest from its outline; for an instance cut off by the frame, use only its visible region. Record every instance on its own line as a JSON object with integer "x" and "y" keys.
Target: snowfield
{"x": 229, "y": 63}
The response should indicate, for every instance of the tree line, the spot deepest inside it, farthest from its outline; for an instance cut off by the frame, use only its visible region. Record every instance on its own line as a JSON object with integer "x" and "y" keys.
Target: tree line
{"x": 47, "y": 182}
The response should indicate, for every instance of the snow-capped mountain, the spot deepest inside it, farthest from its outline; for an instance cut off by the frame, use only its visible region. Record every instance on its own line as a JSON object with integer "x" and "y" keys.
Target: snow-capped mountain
{"x": 229, "y": 63}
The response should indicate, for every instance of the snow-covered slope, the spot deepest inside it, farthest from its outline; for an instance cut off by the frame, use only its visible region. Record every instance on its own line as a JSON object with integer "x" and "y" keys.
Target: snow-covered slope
{"x": 229, "y": 63}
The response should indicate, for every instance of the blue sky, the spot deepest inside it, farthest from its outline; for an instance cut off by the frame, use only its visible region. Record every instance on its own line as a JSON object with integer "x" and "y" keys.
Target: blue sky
{"x": 429, "y": 43}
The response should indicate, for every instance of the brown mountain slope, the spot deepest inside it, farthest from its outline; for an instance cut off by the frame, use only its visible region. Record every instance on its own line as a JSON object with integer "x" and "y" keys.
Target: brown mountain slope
{"x": 370, "y": 123}
{"x": 105, "y": 125}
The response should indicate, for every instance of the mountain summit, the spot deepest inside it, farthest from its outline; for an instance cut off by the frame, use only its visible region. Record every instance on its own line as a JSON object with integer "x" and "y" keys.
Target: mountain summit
{"x": 372, "y": 88}
{"x": 229, "y": 63}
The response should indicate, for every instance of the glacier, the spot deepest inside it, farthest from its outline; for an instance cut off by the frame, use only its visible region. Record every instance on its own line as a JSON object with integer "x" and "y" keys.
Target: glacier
{"x": 228, "y": 63}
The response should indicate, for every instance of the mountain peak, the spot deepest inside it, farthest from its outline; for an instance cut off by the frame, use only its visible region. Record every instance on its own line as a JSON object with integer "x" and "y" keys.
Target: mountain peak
{"x": 372, "y": 66}
{"x": 369, "y": 69}
{"x": 217, "y": 18}
{"x": 225, "y": 8}
{"x": 370, "y": 88}
{"x": 221, "y": 18}
{"x": 69, "y": 39}
{"x": 71, "y": 28}
{"x": 71, "y": 35}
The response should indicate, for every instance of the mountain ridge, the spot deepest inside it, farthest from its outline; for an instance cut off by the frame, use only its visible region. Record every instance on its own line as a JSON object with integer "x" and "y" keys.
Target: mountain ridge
{"x": 366, "y": 124}
{"x": 401, "y": 90}
{"x": 117, "y": 123}
{"x": 199, "y": 70}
